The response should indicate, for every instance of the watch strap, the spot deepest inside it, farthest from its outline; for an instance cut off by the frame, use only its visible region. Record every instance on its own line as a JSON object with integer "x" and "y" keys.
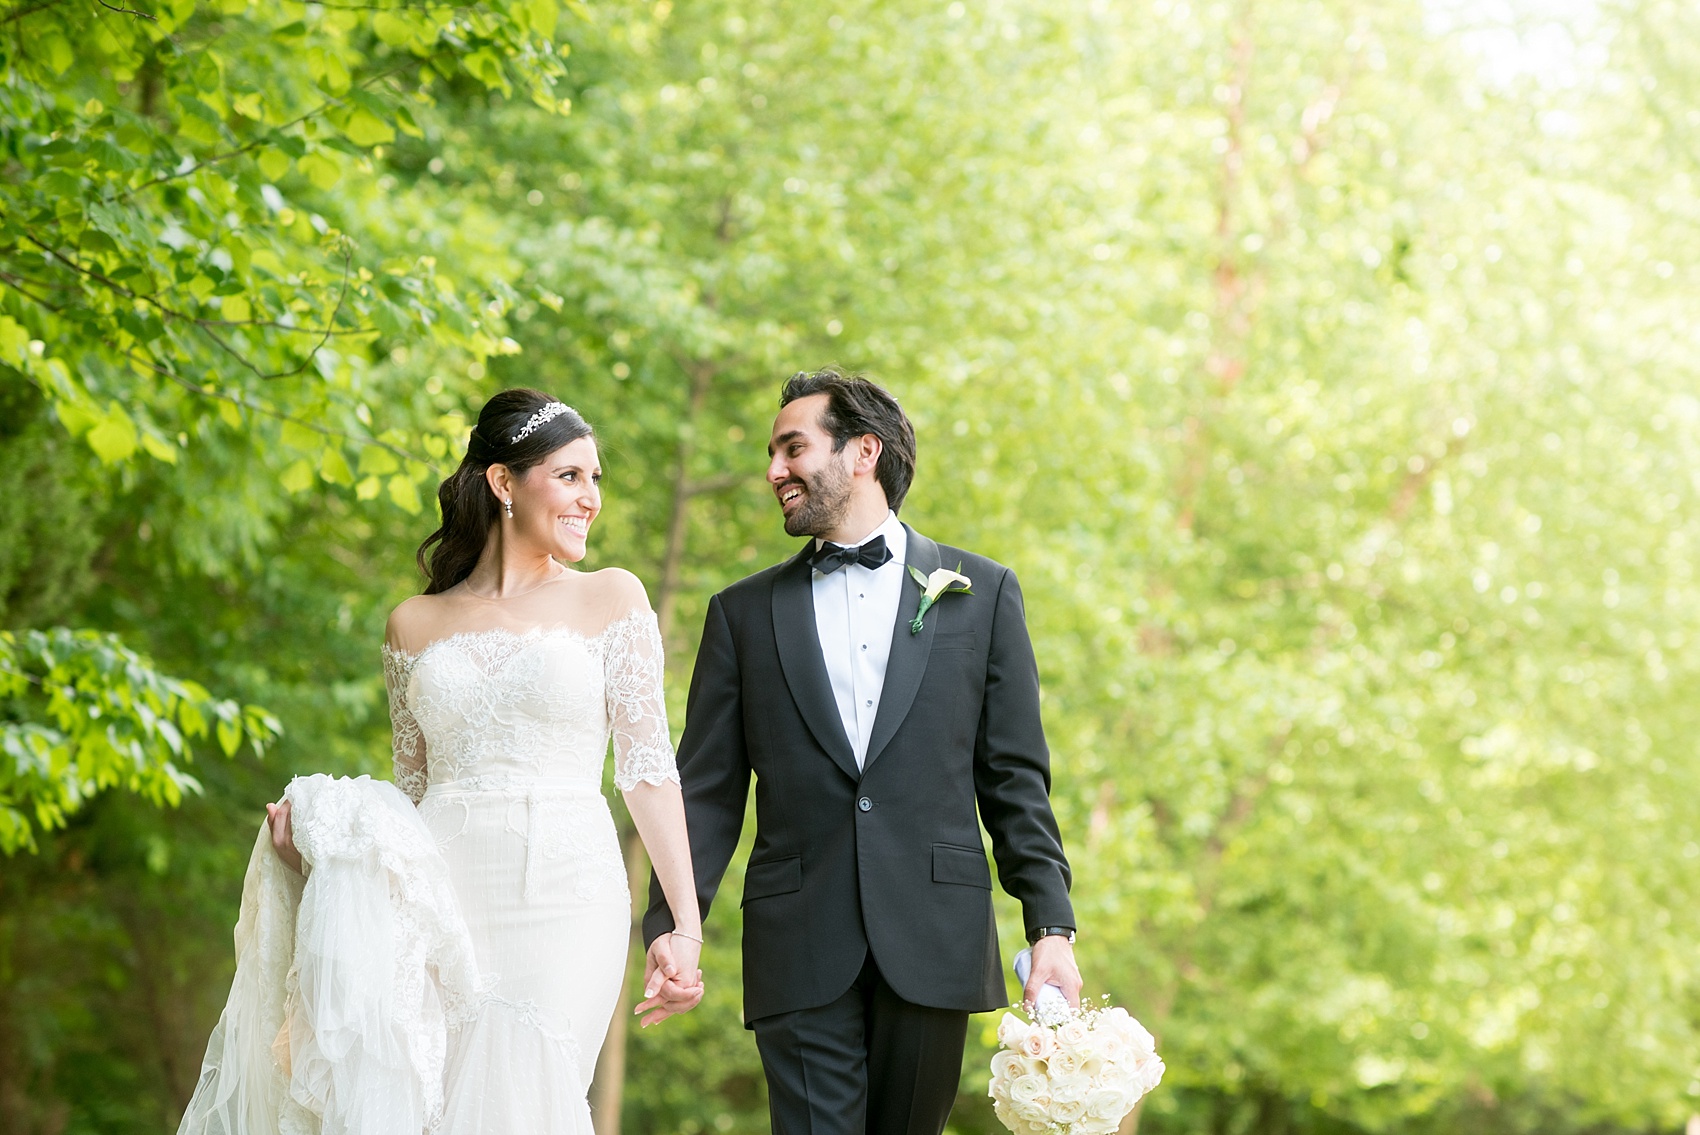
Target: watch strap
{"x": 1039, "y": 932}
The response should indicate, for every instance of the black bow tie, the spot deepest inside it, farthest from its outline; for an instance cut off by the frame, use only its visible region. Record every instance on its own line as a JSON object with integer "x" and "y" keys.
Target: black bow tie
{"x": 828, "y": 558}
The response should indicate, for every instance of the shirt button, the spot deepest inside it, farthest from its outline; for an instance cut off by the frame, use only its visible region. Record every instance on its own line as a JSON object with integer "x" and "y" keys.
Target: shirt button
{"x": 864, "y": 646}
{"x": 865, "y": 804}
{"x": 870, "y": 701}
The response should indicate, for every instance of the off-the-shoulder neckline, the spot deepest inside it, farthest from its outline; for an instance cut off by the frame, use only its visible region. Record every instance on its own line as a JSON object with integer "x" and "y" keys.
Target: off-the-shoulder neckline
{"x": 411, "y": 657}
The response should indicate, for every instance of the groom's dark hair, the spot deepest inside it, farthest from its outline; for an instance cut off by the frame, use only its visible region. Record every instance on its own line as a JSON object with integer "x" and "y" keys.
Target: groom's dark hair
{"x": 857, "y": 405}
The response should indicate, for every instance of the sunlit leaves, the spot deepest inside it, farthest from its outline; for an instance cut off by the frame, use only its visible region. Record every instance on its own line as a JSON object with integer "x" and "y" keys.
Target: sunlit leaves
{"x": 179, "y": 244}
{"x": 84, "y": 714}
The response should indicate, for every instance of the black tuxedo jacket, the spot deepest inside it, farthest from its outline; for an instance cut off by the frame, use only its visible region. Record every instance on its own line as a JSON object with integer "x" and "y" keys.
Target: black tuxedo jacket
{"x": 887, "y": 859}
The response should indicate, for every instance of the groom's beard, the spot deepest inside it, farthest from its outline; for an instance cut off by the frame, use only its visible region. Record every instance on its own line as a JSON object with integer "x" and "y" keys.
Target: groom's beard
{"x": 826, "y": 500}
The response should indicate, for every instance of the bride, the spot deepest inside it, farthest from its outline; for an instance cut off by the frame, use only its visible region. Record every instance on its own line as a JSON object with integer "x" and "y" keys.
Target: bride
{"x": 506, "y": 680}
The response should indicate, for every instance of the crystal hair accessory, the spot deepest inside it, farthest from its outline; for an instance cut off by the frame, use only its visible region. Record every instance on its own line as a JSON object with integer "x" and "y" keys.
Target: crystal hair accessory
{"x": 548, "y": 414}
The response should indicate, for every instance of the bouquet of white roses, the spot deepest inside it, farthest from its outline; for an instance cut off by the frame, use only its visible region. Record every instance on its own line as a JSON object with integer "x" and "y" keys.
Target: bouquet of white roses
{"x": 1071, "y": 1072}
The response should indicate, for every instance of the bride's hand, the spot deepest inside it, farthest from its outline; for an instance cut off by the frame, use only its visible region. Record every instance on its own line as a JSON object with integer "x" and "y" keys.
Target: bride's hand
{"x": 669, "y": 987}
{"x": 687, "y": 960}
{"x": 283, "y": 836}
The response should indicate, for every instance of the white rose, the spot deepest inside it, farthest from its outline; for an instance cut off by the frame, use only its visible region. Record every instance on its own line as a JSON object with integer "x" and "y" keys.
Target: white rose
{"x": 1073, "y": 1034}
{"x": 1070, "y": 1087}
{"x": 1067, "y": 1111}
{"x": 1005, "y": 1066}
{"x": 1063, "y": 1063}
{"x": 1038, "y": 1044}
{"x": 1108, "y": 1104}
{"x": 1150, "y": 1073}
{"x": 1011, "y": 1030}
{"x": 1128, "y": 1079}
{"x": 1027, "y": 1089}
{"x": 1138, "y": 1038}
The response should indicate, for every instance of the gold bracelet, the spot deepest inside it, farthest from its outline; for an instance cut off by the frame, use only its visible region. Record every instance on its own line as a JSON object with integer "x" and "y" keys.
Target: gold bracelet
{"x": 682, "y": 934}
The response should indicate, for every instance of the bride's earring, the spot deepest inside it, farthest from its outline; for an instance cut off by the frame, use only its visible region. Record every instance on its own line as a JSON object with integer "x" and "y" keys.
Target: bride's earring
{"x": 509, "y": 505}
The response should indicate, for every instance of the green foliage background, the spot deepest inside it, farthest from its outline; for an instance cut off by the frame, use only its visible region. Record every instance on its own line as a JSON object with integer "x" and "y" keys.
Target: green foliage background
{"x": 1327, "y": 371}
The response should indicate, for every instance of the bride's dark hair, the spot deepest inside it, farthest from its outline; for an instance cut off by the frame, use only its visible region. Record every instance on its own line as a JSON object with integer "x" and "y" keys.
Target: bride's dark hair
{"x": 469, "y": 506}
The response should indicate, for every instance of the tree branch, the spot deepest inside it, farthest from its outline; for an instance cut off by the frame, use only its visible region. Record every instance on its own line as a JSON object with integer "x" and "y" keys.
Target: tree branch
{"x": 127, "y": 11}
{"x": 257, "y": 142}
{"x": 261, "y": 408}
{"x": 342, "y": 294}
{"x": 206, "y": 325}
{"x": 11, "y": 17}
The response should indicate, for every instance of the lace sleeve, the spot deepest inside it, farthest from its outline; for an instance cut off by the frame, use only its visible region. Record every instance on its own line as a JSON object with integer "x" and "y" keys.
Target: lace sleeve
{"x": 407, "y": 743}
{"x": 634, "y": 662}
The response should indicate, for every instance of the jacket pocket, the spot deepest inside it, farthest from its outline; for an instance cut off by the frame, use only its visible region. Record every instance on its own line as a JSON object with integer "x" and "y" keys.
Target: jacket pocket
{"x": 965, "y": 866}
{"x": 953, "y": 640}
{"x": 774, "y": 877}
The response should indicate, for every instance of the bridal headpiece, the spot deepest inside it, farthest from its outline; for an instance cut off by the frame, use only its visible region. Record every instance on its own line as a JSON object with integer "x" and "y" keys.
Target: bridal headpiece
{"x": 548, "y": 414}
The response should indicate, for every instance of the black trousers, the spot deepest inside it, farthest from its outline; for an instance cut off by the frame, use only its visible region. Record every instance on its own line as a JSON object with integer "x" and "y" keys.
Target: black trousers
{"x": 869, "y": 1063}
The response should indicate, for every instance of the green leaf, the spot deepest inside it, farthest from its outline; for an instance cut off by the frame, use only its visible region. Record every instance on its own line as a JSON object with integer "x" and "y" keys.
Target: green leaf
{"x": 320, "y": 170}
{"x": 405, "y": 123}
{"x": 299, "y": 477}
{"x": 273, "y": 164}
{"x": 333, "y": 467}
{"x": 115, "y": 438}
{"x": 377, "y": 460}
{"x": 393, "y": 28}
{"x": 294, "y": 435}
{"x": 229, "y": 734}
{"x": 159, "y": 448}
{"x": 404, "y": 492}
{"x": 364, "y": 128}
{"x": 328, "y": 69}
{"x": 236, "y": 309}
{"x": 14, "y": 340}
{"x": 544, "y": 14}
{"x": 486, "y": 67}
{"x": 56, "y": 52}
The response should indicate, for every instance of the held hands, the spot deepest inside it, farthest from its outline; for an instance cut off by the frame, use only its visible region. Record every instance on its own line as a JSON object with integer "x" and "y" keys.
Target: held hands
{"x": 672, "y": 983}
{"x": 283, "y": 836}
{"x": 1053, "y": 964}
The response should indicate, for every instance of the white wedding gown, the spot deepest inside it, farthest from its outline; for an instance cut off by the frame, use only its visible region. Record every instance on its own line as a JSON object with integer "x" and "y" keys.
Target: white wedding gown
{"x": 501, "y": 734}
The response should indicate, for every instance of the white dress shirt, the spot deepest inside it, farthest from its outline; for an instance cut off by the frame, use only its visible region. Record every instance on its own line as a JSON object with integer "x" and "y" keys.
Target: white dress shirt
{"x": 855, "y": 609}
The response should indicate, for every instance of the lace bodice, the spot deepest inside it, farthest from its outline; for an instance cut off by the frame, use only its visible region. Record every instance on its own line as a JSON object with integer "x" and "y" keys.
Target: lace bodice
{"x": 504, "y": 706}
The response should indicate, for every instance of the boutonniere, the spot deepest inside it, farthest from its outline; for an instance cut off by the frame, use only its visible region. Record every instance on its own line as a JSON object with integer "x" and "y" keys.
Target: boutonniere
{"x": 943, "y": 581}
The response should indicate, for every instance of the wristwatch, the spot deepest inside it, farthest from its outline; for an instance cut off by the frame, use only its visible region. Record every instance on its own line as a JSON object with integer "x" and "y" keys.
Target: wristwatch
{"x": 1047, "y": 931}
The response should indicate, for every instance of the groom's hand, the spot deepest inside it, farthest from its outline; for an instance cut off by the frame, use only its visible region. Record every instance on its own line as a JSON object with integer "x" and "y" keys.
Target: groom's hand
{"x": 672, "y": 983}
{"x": 1053, "y": 964}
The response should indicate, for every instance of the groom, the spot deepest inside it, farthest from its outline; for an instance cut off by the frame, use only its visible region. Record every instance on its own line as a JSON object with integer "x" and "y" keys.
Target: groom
{"x": 878, "y": 751}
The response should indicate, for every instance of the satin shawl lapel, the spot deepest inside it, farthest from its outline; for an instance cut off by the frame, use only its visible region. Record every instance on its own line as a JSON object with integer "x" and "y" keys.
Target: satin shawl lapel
{"x": 800, "y": 658}
{"x": 908, "y": 661}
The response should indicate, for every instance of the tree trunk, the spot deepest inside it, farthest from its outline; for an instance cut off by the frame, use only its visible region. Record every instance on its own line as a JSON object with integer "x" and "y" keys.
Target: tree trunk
{"x": 608, "y": 1087}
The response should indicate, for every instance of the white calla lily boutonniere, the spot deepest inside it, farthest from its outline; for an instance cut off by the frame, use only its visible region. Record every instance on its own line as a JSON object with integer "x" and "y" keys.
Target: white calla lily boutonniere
{"x": 943, "y": 581}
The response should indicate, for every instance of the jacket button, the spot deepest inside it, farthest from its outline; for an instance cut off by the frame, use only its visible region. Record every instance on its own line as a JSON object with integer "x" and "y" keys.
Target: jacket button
{"x": 865, "y": 804}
